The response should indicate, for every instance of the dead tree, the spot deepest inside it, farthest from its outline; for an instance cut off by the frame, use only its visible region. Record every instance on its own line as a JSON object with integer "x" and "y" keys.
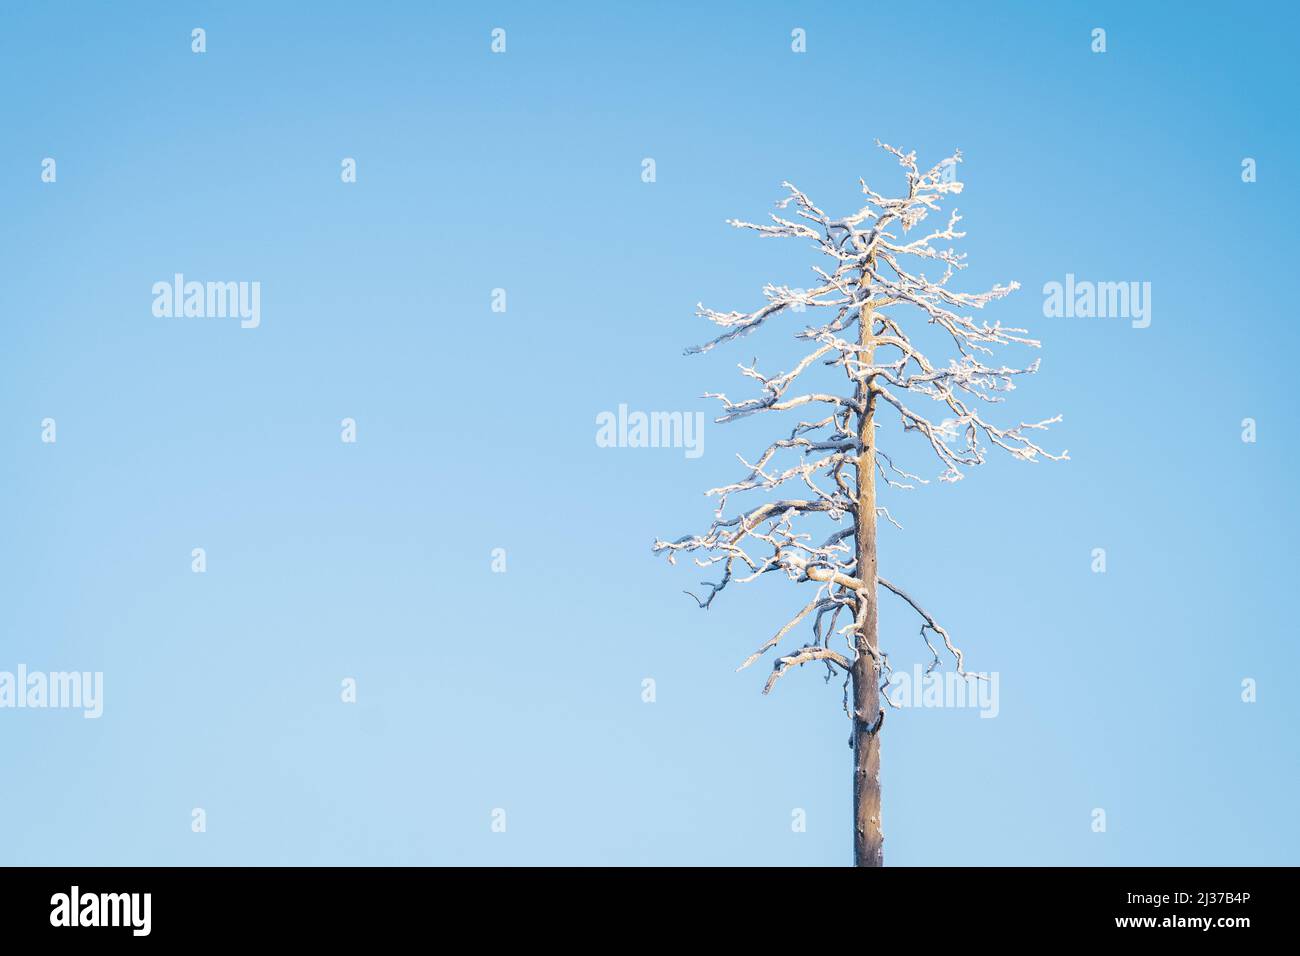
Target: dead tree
{"x": 820, "y": 526}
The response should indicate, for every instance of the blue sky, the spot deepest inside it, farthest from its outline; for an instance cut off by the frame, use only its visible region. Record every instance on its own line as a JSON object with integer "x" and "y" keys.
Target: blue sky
{"x": 522, "y": 690}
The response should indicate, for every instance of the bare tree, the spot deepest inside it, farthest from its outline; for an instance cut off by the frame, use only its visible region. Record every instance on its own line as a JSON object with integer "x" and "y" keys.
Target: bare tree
{"x": 820, "y": 528}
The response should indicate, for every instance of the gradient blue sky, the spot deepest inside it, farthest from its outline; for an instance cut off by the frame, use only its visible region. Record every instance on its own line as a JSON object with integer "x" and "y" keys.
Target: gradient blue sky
{"x": 476, "y": 431}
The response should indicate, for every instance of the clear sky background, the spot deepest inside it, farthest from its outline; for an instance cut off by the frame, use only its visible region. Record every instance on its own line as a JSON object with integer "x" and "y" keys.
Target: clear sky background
{"x": 476, "y": 430}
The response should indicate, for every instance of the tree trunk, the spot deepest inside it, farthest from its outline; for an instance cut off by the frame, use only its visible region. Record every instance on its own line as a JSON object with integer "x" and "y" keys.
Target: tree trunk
{"x": 868, "y": 838}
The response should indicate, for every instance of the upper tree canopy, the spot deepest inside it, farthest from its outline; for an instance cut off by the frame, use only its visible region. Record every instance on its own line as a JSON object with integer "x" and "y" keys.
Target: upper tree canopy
{"x": 873, "y": 273}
